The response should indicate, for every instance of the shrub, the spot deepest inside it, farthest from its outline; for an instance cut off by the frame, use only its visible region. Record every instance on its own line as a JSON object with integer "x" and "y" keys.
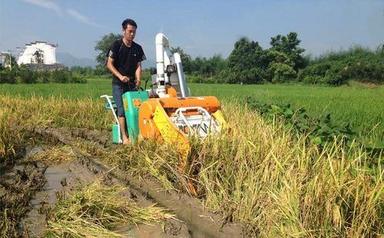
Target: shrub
{"x": 337, "y": 68}
{"x": 77, "y": 79}
{"x": 7, "y": 76}
{"x": 253, "y": 75}
{"x": 280, "y": 72}
{"x": 59, "y": 76}
{"x": 26, "y": 76}
{"x": 320, "y": 131}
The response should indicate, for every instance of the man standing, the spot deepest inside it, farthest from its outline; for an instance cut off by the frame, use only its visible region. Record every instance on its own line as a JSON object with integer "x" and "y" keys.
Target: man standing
{"x": 124, "y": 62}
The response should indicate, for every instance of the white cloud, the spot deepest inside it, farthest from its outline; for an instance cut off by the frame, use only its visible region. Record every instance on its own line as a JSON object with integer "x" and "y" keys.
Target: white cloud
{"x": 52, "y": 5}
{"x": 49, "y": 4}
{"x": 80, "y": 17}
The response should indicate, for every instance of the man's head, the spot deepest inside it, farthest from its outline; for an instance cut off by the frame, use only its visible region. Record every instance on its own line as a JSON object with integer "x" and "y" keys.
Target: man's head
{"x": 129, "y": 27}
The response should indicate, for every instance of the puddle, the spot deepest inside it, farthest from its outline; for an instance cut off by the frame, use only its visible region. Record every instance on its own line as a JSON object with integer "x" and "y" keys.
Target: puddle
{"x": 59, "y": 178}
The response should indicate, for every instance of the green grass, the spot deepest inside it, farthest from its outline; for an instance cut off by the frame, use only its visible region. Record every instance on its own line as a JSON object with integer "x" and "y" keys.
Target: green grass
{"x": 363, "y": 107}
{"x": 93, "y": 89}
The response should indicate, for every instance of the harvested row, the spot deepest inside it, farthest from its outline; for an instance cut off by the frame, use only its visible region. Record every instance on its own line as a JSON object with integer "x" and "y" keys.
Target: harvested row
{"x": 51, "y": 192}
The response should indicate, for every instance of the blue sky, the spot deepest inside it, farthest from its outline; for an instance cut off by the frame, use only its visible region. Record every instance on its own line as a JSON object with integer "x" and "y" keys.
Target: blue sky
{"x": 200, "y": 27}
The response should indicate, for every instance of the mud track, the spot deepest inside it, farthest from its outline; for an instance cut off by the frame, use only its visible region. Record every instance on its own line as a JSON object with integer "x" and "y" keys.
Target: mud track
{"x": 62, "y": 178}
{"x": 200, "y": 222}
{"x": 18, "y": 185}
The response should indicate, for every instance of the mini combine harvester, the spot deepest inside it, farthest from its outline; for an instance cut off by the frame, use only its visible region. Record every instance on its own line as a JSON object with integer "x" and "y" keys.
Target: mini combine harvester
{"x": 167, "y": 112}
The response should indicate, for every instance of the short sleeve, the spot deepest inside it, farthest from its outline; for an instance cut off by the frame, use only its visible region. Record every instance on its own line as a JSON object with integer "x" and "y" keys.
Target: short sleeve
{"x": 142, "y": 56}
{"x": 114, "y": 50}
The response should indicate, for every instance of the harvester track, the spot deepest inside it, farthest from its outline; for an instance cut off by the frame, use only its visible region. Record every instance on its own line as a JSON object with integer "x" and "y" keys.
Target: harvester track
{"x": 200, "y": 222}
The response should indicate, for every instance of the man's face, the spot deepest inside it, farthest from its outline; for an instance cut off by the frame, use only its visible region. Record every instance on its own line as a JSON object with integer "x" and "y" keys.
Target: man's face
{"x": 129, "y": 33}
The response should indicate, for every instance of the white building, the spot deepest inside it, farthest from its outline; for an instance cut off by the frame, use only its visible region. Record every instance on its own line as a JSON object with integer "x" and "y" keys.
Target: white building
{"x": 38, "y": 52}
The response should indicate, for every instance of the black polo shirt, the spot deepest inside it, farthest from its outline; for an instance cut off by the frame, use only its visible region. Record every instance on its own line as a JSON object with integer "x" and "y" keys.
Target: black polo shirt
{"x": 125, "y": 59}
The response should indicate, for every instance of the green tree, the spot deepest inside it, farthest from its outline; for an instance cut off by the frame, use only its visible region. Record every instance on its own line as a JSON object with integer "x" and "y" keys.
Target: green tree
{"x": 185, "y": 58}
{"x": 39, "y": 56}
{"x": 281, "y": 72}
{"x": 9, "y": 62}
{"x": 247, "y": 55}
{"x": 247, "y": 63}
{"x": 208, "y": 67}
{"x": 289, "y": 45}
{"x": 215, "y": 65}
{"x": 102, "y": 47}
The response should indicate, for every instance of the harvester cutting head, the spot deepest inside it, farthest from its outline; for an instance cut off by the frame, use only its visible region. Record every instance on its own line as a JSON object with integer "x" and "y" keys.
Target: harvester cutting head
{"x": 166, "y": 112}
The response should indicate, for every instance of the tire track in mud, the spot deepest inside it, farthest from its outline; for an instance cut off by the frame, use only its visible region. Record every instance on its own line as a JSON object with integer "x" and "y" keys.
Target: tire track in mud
{"x": 30, "y": 188}
{"x": 64, "y": 177}
{"x": 200, "y": 222}
{"x": 18, "y": 186}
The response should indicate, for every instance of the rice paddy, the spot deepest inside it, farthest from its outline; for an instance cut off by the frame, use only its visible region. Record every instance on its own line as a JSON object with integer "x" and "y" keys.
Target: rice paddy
{"x": 258, "y": 173}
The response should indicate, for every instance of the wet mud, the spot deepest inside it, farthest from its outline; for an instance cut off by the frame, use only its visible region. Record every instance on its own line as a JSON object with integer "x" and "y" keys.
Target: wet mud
{"x": 17, "y": 188}
{"x": 41, "y": 183}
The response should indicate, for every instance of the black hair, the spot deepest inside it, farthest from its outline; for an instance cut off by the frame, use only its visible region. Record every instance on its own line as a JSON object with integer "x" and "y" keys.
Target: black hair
{"x": 128, "y": 22}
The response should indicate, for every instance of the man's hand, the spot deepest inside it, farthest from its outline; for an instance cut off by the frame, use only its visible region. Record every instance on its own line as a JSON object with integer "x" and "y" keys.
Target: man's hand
{"x": 124, "y": 79}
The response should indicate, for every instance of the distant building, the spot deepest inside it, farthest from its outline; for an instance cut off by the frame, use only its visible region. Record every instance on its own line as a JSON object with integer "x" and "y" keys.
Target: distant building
{"x": 38, "y": 52}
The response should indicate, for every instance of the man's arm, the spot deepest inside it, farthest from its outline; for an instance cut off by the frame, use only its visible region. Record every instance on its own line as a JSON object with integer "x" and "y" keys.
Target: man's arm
{"x": 138, "y": 75}
{"x": 115, "y": 72}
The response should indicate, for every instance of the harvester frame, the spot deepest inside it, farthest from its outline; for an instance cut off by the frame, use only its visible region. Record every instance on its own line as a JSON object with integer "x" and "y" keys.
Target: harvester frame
{"x": 167, "y": 112}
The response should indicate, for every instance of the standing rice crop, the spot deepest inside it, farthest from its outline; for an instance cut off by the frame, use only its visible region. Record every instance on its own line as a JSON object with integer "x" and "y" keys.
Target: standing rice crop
{"x": 275, "y": 183}
{"x": 281, "y": 186}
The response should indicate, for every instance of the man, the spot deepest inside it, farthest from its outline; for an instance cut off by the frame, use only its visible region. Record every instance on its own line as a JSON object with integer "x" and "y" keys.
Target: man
{"x": 124, "y": 62}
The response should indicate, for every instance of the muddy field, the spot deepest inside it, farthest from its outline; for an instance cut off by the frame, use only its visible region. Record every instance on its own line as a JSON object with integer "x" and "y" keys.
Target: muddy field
{"x": 50, "y": 166}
